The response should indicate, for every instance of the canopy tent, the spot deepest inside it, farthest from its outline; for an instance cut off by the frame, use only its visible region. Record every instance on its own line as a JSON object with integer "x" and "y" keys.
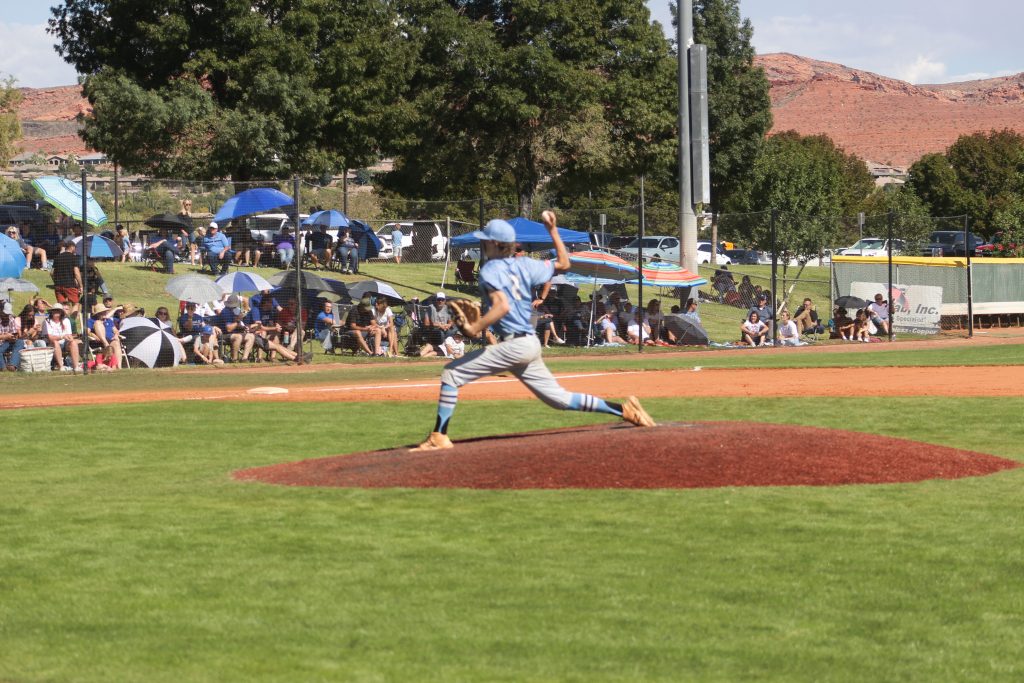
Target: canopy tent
{"x": 531, "y": 234}
{"x": 256, "y": 200}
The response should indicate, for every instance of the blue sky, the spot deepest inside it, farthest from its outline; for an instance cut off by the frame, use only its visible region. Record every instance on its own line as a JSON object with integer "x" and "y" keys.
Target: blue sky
{"x": 921, "y": 41}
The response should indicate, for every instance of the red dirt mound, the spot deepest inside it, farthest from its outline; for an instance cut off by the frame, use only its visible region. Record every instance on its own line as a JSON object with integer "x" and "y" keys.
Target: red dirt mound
{"x": 697, "y": 455}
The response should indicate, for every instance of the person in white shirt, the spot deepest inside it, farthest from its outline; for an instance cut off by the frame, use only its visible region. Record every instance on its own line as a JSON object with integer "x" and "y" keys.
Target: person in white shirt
{"x": 753, "y": 331}
{"x": 788, "y": 333}
{"x": 638, "y": 330}
{"x": 385, "y": 318}
{"x": 57, "y": 330}
{"x": 455, "y": 346}
{"x": 878, "y": 312}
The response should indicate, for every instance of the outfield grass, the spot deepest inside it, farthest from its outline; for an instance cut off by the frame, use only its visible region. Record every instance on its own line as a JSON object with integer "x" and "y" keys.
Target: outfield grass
{"x": 129, "y": 554}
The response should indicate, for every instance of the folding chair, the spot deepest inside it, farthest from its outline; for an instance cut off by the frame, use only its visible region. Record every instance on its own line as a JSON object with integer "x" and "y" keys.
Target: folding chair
{"x": 465, "y": 272}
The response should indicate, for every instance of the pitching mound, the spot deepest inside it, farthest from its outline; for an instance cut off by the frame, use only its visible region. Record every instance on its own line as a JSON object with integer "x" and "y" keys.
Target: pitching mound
{"x": 697, "y": 455}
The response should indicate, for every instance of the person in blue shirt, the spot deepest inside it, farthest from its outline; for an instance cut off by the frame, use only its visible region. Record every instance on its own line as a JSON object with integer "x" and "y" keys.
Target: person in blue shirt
{"x": 506, "y": 285}
{"x": 324, "y": 326}
{"x": 217, "y": 248}
{"x": 229, "y": 322}
{"x": 396, "y": 243}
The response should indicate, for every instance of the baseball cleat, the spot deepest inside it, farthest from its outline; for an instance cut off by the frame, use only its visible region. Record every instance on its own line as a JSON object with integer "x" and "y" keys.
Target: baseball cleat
{"x": 435, "y": 442}
{"x": 634, "y": 413}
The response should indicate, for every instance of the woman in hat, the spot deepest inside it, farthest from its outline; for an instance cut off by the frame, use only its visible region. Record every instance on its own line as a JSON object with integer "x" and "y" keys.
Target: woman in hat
{"x": 103, "y": 329}
{"x": 57, "y": 330}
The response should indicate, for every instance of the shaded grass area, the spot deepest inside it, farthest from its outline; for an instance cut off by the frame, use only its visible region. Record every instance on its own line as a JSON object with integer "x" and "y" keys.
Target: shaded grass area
{"x": 369, "y": 370}
{"x": 133, "y": 556}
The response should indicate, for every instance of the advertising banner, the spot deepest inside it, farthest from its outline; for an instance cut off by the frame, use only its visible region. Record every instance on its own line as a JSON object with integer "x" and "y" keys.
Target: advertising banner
{"x": 917, "y": 308}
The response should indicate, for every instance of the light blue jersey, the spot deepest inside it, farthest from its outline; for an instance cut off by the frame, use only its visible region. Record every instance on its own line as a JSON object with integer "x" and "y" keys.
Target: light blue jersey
{"x": 516, "y": 277}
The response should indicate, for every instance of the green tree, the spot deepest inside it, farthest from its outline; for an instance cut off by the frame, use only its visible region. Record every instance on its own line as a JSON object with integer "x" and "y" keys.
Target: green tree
{"x": 979, "y": 175}
{"x": 812, "y": 183}
{"x": 912, "y": 222}
{"x": 10, "y": 127}
{"x": 739, "y": 108}
{"x": 514, "y": 93}
{"x": 239, "y": 89}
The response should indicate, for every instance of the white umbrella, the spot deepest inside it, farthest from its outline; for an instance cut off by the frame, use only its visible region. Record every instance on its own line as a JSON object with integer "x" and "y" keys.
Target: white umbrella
{"x": 194, "y": 288}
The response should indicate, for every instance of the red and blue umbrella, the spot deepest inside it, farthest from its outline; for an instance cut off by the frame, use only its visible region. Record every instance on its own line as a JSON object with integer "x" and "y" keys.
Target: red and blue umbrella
{"x": 601, "y": 265}
{"x": 666, "y": 274}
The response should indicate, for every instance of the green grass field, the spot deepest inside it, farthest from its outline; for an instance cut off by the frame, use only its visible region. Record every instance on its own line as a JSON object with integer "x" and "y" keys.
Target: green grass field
{"x": 129, "y": 554}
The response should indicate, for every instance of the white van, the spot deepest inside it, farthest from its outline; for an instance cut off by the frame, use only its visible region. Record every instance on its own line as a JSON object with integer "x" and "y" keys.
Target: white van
{"x": 421, "y": 241}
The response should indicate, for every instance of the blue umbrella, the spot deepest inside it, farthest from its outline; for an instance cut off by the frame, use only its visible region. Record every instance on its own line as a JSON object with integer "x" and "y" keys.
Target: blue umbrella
{"x": 331, "y": 218}
{"x": 256, "y": 200}
{"x": 242, "y": 281}
{"x": 66, "y": 195}
{"x": 531, "y": 234}
{"x": 99, "y": 247}
{"x": 12, "y": 258}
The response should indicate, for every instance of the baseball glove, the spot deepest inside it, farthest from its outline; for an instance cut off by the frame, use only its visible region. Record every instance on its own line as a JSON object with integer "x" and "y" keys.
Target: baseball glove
{"x": 464, "y": 314}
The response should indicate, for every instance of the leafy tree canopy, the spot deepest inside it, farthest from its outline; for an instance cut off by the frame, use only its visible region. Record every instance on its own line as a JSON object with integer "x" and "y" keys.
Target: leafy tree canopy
{"x": 981, "y": 175}
{"x": 513, "y": 93}
{"x": 236, "y": 88}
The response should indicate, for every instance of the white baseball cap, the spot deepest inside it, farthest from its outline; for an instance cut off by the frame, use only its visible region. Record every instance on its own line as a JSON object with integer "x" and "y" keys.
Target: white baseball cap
{"x": 440, "y": 295}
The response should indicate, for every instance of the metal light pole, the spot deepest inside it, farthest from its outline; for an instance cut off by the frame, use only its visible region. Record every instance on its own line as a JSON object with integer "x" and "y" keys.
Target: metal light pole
{"x": 687, "y": 217}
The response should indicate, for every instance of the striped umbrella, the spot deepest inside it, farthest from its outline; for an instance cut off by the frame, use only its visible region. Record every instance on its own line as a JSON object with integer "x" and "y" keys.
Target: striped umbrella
{"x": 99, "y": 247}
{"x": 66, "y": 195}
{"x": 598, "y": 264}
{"x": 665, "y": 274}
{"x": 152, "y": 344}
{"x": 243, "y": 281}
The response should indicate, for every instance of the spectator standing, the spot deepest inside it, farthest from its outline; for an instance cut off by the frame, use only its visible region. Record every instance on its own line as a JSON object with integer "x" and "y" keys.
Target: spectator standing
{"x": 396, "y": 243}
{"x": 125, "y": 242}
{"x": 190, "y": 234}
{"x": 67, "y": 278}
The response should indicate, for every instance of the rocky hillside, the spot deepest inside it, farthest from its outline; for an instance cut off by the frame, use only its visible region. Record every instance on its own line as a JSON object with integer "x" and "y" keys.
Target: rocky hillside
{"x": 48, "y": 119}
{"x": 883, "y": 119}
{"x": 880, "y": 119}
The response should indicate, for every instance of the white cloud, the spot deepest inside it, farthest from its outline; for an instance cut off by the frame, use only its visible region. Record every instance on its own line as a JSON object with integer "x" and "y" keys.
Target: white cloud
{"x": 28, "y": 55}
{"x": 923, "y": 70}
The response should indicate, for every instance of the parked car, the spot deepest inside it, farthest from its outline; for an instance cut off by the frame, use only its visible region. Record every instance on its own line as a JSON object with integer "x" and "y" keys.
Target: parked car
{"x": 264, "y": 226}
{"x": 656, "y": 246}
{"x": 704, "y": 254}
{"x": 872, "y": 246}
{"x": 747, "y": 257}
{"x": 421, "y": 241}
{"x": 608, "y": 241}
{"x": 950, "y": 243}
{"x": 990, "y": 248}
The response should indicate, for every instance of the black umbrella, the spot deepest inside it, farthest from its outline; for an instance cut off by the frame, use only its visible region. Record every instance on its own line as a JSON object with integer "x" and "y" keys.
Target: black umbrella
{"x": 686, "y": 330}
{"x": 849, "y": 302}
{"x": 286, "y": 280}
{"x": 150, "y": 342}
{"x": 607, "y": 290}
{"x": 169, "y": 221}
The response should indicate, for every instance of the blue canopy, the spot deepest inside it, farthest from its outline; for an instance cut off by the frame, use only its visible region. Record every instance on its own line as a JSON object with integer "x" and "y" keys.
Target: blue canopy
{"x": 531, "y": 234}
{"x": 256, "y": 200}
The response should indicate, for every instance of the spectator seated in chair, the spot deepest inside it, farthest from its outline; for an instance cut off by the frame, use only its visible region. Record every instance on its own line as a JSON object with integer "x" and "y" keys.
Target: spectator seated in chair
{"x": 57, "y": 330}
{"x": 638, "y": 331}
{"x": 104, "y": 331}
{"x": 609, "y": 329}
{"x": 465, "y": 271}
{"x": 385, "y": 319}
{"x": 233, "y": 330}
{"x": 284, "y": 243}
{"x": 31, "y": 252}
{"x": 362, "y": 329}
{"x": 167, "y": 248}
{"x": 261, "y": 321}
{"x": 324, "y": 327}
{"x": 878, "y": 313}
{"x": 320, "y": 247}
{"x": 217, "y": 250}
{"x": 11, "y": 340}
{"x": 348, "y": 253}
{"x": 437, "y": 320}
{"x": 806, "y": 319}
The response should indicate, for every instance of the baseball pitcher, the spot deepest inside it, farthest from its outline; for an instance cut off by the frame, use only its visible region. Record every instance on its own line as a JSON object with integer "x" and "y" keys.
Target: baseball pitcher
{"x": 507, "y": 285}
